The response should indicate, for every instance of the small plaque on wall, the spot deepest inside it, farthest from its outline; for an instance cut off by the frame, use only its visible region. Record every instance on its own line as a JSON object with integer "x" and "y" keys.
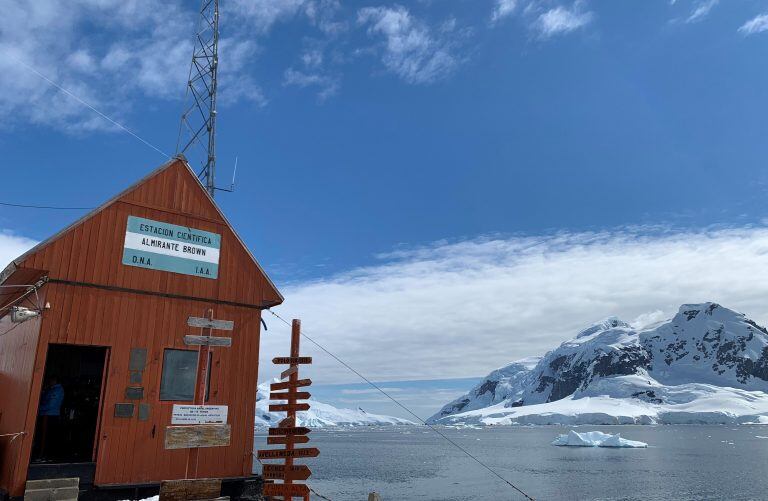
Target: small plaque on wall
{"x": 138, "y": 359}
{"x": 124, "y": 410}
{"x": 134, "y": 392}
{"x": 144, "y": 411}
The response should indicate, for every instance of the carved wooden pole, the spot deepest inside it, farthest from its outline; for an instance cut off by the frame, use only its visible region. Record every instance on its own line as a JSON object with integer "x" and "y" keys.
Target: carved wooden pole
{"x": 201, "y": 385}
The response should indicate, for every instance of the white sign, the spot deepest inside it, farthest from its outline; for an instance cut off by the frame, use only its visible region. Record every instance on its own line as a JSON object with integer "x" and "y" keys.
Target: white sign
{"x": 223, "y": 325}
{"x": 169, "y": 247}
{"x": 199, "y": 414}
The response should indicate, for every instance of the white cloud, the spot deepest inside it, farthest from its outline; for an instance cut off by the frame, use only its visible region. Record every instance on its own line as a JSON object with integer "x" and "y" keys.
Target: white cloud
{"x": 235, "y": 83}
{"x": 701, "y": 10}
{"x": 263, "y": 15}
{"x": 412, "y": 50}
{"x": 503, "y": 9}
{"x": 758, "y": 24}
{"x": 12, "y": 246}
{"x": 311, "y": 72}
{"x": 147, "y": 47}
{"x": 110, "y": 53}
{"x": 462, "y": 309}
{"x": 560, "y": 20}
{"x": 328, "y": 85}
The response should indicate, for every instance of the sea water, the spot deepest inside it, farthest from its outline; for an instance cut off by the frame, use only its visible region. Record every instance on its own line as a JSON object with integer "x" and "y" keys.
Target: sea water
{"x": 415, "y": 463}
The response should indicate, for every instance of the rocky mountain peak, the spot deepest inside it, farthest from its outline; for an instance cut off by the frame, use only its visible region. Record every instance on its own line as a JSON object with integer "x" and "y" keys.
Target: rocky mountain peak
{"x": 603, "y": 325}
{"x": 703, "y": 343}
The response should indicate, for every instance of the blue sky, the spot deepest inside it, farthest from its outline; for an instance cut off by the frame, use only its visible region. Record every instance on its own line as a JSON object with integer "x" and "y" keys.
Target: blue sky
{"x": 449, "y": 185}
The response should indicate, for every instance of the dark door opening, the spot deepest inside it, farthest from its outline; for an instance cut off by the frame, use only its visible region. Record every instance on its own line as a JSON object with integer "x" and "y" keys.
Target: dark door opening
{"x": 68, "y": 412}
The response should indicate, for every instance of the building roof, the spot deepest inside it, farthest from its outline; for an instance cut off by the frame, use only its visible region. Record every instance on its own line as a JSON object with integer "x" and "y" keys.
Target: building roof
{"x": 172, "y": 188}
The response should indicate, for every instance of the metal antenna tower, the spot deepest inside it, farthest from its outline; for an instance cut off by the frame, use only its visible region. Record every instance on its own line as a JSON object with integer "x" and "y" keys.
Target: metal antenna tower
{"x": 197, "y": 131}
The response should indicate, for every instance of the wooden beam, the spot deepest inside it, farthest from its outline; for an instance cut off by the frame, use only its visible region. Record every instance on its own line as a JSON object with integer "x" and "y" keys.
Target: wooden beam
{"x": 201, "y": 435}
{"x": 185, "y": 490}
{"x": 301, "y": 430}
{"x": 287, "y": 385}
{"x": 293, "y": 370}
{"x": 282, "y": 472}
{"x": 288, "y": 407}
{"x": 311, "y": 452}
{"x": 290, "y": 439}
{"x": 191, "y": 340}
{"x": 206, "y": 323}
{"x": 292, "y": 360}
{"x": 286, "y": 490}
{"x": 298, "y": 395}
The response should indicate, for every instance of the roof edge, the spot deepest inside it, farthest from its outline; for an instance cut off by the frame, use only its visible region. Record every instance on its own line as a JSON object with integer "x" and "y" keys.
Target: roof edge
{"x": 16, "y": 262}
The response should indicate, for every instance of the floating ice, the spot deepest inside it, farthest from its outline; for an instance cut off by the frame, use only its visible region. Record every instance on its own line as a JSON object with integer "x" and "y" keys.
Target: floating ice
{"x": 595, "y": 439}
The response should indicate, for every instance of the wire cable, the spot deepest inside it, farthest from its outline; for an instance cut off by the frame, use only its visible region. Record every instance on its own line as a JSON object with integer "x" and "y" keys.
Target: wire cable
{"x": 409, "y": 411}
{"x": 89, "y": 106}
{"x": 55, "y": 207}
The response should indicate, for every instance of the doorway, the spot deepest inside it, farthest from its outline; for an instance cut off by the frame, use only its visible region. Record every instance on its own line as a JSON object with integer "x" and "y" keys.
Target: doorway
{"x": 70, "y": 400}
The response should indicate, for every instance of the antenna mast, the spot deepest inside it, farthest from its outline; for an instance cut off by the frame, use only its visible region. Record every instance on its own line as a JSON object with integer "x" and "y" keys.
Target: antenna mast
{"x": 197, "y": 131}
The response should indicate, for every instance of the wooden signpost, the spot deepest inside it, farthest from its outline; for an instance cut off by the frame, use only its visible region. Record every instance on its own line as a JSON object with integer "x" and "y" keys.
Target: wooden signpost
{"x": 282, "y": 472}
{"x": 196, "y": 432}
{"x": 287, "y": 433}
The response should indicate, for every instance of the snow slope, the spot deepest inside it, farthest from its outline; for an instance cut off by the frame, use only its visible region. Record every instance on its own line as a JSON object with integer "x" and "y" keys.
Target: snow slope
{"x": 320, "y": 415}
{"x": 708, "y": 364}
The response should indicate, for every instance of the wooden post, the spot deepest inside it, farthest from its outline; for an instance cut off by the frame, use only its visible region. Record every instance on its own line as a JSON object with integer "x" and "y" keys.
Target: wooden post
{"x": 287, "y": 432}
{"x": 293, "y": 378}
{"x": 201, "y": 381}
{"x": 373, "y": 496}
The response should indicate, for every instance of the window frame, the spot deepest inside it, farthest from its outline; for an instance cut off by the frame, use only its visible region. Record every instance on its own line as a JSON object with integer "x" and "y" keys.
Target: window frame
{"x": 163, "y": 375}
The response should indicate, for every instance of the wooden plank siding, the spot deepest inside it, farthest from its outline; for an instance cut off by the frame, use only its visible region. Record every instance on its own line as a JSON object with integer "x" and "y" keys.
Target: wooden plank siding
{"x": 95, "y": 300}
{"x": 16, "y": 394}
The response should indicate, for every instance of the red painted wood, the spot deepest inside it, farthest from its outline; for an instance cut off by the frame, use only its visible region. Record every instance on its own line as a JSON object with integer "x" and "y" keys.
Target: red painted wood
{"x": 130, "y": 451}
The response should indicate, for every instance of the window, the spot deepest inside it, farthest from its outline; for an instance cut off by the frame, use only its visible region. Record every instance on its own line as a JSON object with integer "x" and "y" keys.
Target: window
{"x": 179, "y": 374}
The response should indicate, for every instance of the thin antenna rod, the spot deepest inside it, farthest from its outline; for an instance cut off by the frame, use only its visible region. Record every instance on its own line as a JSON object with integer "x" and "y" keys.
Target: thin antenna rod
{"x": 234, "y": 173}
{"x": 197, "y": 130}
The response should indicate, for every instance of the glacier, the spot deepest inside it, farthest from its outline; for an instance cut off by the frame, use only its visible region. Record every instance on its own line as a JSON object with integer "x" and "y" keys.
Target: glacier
{"x": 320, "y": 415}
{"x": 706, "y": 365}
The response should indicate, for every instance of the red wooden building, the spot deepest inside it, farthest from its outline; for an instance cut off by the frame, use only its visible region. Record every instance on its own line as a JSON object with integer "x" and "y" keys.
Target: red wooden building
{"x": 114, "y": 292}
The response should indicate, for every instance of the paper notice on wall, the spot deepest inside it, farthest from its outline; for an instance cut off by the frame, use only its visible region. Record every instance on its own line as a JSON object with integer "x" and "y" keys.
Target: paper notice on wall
{"x": 199, "y": 414}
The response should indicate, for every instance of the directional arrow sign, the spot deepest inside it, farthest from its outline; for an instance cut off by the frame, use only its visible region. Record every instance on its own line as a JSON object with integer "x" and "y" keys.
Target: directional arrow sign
{"x": 290, "y": 439}
{"x": 288, "y": 384}
{"x": 311, "y": 452}
{"x": 288, "y": 422}
{"x": 298, "y": 395}
{"x": 205, "y": 323}
{"x": 286, "y": 490}
{"x": 207, "y": 341}
{"x": 292, "y": 360}
{"x": 288, "y": 407}
{"x": 281, "y": 472}
{"x": 289, "y": 372}
{"x": 289, "y": 431}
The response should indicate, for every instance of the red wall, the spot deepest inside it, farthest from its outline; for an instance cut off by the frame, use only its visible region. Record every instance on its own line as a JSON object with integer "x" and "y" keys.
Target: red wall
{"x": 96, "y": 300}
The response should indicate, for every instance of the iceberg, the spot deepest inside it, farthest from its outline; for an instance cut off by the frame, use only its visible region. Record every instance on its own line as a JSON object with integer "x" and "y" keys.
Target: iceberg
{"x": 595, "y": 439}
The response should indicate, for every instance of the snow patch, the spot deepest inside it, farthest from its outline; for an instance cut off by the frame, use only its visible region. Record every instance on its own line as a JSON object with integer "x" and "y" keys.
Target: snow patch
{"x": 320, "y": 415}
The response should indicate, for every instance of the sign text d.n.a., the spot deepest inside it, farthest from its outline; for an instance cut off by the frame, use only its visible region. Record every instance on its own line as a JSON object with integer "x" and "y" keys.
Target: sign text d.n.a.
{"x": 169, "y": 247}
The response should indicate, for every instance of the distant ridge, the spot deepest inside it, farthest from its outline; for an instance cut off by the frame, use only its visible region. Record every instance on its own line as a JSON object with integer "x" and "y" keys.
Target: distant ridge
{"x": 708, "y": 364}
{"x": 321, "y": 415}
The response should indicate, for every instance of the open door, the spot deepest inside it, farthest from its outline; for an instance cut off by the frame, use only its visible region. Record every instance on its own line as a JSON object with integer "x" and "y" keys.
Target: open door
{"x": 70, "y": 403}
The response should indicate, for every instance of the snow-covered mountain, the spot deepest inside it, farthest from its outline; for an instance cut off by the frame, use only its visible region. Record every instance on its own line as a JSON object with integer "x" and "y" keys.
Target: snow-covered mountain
{"x": 707, "y": 364}
{"x": 320, "y": 415}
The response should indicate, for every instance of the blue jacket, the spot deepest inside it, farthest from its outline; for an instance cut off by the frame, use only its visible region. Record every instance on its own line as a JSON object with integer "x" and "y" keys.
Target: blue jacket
{"x": 50, "y": 402}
